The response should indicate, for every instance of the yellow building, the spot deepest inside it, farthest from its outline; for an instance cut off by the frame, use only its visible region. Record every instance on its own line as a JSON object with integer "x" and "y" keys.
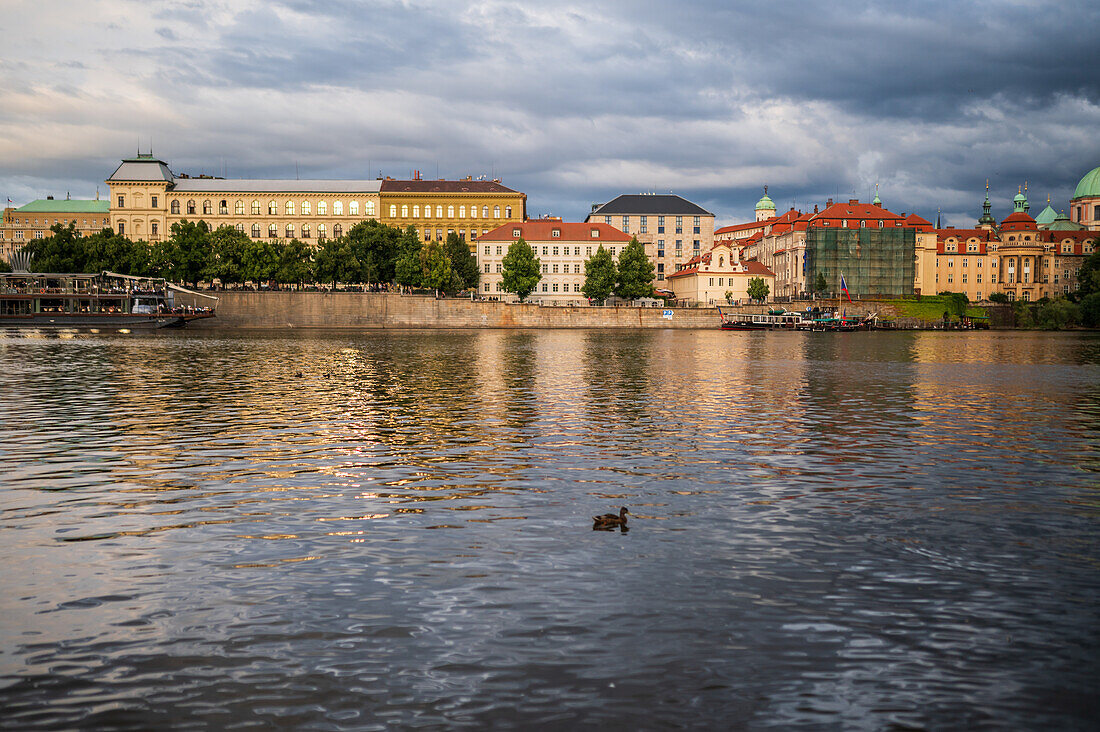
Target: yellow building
{"x": 147, "y": 198}
{"x": 33, "y": 221}
{"x": 436, "y": 208}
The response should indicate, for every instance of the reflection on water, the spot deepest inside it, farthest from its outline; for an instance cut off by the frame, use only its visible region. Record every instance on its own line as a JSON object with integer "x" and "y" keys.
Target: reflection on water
{"x": 394, "y": 529}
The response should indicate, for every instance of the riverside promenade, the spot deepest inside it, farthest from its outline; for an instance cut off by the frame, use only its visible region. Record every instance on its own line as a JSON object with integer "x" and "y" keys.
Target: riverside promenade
{"x": 366, "y": 310}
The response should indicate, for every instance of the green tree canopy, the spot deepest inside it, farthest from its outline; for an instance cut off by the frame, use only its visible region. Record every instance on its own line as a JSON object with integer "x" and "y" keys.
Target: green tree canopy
{"x": 1088, "y": 277}
{"x": 635, "y": 272}
{"x": 955, "y": 303}
{"x": 463, "y": 261}
{"x": 521, "y": 270}
{"x": 758, "y": 289}
{"x": 407, "y": 270}
{"x": 335, "y": 262}
{"x": 375, "y": 246}
{"x": 599, "y": 275}
{"x": 61, "y": 252}
{"x": 190, "y": 251}
{"x": 998, "y": 297}
{"x": 435, "y": 267}
{"x": 259, "y": 257}
{"x": 295, "y": 263}
{"x": 1090, "y": 310}
{"x": 1058, "y": 314}
{"x": 821, "y": 285}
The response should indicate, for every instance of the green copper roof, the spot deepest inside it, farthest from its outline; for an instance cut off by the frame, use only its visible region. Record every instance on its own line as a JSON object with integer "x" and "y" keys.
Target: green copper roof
{"x": 1062, "y": 223}
{"x": 50, "y": 205}
{"x": 765, "y": 203}
{"x": 1046, "y": 216}
{"x": 1089, "y": 185}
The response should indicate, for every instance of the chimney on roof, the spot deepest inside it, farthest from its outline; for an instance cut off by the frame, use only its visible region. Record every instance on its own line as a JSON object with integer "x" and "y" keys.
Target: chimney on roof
{"x": 829, "y": 203}
{"x": 595, "y": 206}
{"x": 852, "y": 201}
{"x": 815, "y": 208}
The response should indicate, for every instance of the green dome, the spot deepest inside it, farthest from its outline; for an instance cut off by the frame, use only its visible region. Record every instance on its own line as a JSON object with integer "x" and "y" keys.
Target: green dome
{"x": 1047, "y": 216}
{"x": 1020, "y": 197}
{"x": 765, "y": 203}
{"x": 1089, "y": 185}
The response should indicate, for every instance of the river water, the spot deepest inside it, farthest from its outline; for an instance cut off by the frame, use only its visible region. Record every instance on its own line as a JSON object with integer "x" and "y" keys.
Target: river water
{"x": 393, "y": 530}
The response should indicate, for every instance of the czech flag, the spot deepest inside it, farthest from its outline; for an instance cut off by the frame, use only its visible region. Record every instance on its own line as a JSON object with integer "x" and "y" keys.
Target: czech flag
{"x": 844, "y": 288}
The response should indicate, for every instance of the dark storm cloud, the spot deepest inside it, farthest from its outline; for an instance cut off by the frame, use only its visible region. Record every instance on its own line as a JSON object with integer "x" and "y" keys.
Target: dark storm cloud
{"x": 575, "y": 103}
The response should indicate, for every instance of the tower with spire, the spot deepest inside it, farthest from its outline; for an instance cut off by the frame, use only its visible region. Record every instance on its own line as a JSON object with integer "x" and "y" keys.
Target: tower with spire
{"x": 987, "y": 221}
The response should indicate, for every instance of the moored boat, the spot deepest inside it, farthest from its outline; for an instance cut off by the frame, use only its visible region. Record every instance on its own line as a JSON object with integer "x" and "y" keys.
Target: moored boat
{"x": 756, "y": 321}
{"x": 104, "y": 300}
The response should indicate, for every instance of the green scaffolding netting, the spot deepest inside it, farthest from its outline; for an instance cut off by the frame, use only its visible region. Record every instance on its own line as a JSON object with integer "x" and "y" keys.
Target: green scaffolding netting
{"x": 874, "y": 262}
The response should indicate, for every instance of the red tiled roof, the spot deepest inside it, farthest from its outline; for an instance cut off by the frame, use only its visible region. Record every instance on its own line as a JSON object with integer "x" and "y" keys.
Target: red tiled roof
{"x": 742, "y": 227}
{"x": 751, "y": 267}
{"x": 444, "y": 186}
{"x": 1018, "y": 221}
{"x": 541, "y": 230}
{"x": 853, "y": 210}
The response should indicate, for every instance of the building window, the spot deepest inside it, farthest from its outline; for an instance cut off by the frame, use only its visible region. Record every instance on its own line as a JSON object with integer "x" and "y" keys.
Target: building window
{"x": 660, "y": 224}
{"x": 255, "y": 208}
{"x": 272, "y": 231}
{"x": 322, "y": 208}
{"x": 153, "y": 201}
{"x": 239, "y": 227}
{"x": 337, "y": 230}
{"x": 556, "y": 233}
{"x": 555, "y": 287}
{"x": 498, "y": 267}
{"x": 554, "y": 251}
{"x": 337, "y": 210}
{"x": 307, "y": 208}
{"x": 272, "y": 208}
{"x": 508, "y": 212}
{"x": 175, "y": 207}
{"x": 484, "y": 212}
{"x": 626, "y": 224}
{"x": 496, "y": 212}
{"x": 404, "y": 211}
{"x": 450, "y": 212}
{"x": 644, "y": 224}
{"x": 255, "y": 231}
{"x": 191, "y": 207}
{"x": 289, "y": 208}
{"x": 486, "y": 268}
{"x": 393, "y": 211}
{"x": 679, "y": 224}
{"x": 238, "y": 208}
{"x": 545, "y": 287}
{"x": 290, "y": 231}
{"x": 368, "y": 208}
{"x": 498, "y": 251}
{"x": 595, "y": 233}
{"x": 154, "y": 228}
{"x": 122, "y": 202}
{"x": 322, "y": 231}
{"x": 353, "y": 208}
{"x": 207, "y": 209}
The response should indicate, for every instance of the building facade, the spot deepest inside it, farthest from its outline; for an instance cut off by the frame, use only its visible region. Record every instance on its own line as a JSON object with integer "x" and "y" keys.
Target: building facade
{"x": 672, "y": 229}
{"x": 1085, "y": 205}
{"x": 561, "y": 249}
{"x": 718, "y": 277}
{"x": 436, "y": 208}
{"x": 33, "y": 221}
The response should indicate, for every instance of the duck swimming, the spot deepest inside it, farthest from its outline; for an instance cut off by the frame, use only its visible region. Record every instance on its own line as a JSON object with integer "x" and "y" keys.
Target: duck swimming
{"x": 610, "y": 520}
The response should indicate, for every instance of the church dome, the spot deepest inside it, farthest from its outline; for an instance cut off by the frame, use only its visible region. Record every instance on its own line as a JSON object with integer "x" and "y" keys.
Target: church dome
{"x": 1089, "y": 186}
{"x": 1047, "y": 216}
{"x": 765, "y": 204}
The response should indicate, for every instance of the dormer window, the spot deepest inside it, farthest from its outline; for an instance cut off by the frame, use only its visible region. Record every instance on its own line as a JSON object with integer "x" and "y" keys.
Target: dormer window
{"x": 517, "y": 233}
{"x": 556, "y": 233}
{"x": 595, "y": 233}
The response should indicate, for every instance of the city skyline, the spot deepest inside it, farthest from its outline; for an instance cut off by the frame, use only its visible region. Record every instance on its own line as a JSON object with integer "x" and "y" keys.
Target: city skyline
{"x": 570, "y": 105}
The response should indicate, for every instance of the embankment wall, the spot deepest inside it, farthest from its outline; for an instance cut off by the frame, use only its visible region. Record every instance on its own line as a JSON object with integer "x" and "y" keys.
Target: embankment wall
{"x": 357, "y": 310}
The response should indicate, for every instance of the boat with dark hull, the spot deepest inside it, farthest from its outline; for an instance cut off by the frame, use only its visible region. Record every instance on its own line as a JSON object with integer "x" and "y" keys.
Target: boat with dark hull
{"x": 105, "y": 300}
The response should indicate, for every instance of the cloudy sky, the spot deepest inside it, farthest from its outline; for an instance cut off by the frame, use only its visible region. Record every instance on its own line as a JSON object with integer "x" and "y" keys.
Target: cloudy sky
{"x": 570, "y": 102}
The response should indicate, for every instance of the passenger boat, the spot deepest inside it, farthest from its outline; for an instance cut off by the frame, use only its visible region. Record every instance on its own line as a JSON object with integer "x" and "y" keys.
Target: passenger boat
{"x": 104, "y": 300}
{"x": 749, "y": 321}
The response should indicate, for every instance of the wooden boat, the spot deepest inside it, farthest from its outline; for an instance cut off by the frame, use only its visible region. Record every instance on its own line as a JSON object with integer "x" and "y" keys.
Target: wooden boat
{"x": 104, "y": 300}
{"x": 750, "y": 321}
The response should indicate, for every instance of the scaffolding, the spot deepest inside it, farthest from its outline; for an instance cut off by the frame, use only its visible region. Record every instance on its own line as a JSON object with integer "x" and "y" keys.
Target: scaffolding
{"x": 874, "y": 262}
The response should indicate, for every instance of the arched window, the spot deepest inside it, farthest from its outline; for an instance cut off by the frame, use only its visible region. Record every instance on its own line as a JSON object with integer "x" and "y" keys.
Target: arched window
{"x": 439, "y": 212}
{"x": 721, "y": 262}
{"x": 405, "y": 211}
{"x": 191, "y": 207}
{"x": 272, "y": 208}
{"x": 272, "y": 231}
{"x": 337, "y": 208}
{"x": 461, "y": 212}
{"x": 322, "y": 208}
{"x": 337, "y": 230}
{"x": 321, "y": 231}
{"x": 255, "y": 231}
{"x": 484, "y": 212}
{"x": 450, "y": 212}
{"x": 290, "y": 231}
{"x": 175, "y": 207}
{"x": 289, "y": 208}
{"x": 393, "y": 211}
{"x": 207, "y": 209}
{"x": 496, "y": 212}
{"x": 416, "y": 212}
{"x": 508, "y": 212}
{"x": 223, "y": 207}
{"x": 863, "y": 224}
{"x": 844, "y": 224}
{"x": 239, "y": 227}
{"x": 307, "y": 209}
{"x": 238, "y": 208}
{"x": 369, "y": 208}
{"x": 305, "y": 231}
{"x": 880, "y": 224}
{"x": 256, "y": 208}
{"x": 353, "y": 208}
